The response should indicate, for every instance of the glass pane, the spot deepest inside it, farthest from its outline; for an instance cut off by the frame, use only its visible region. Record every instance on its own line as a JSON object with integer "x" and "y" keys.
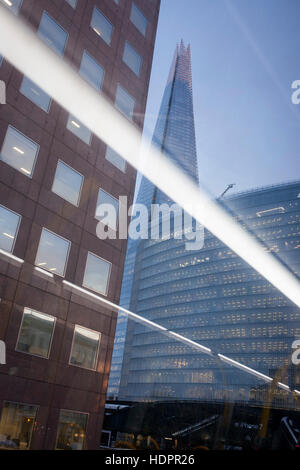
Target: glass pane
{"x": 35, "y": 333}
{"x": 35, "y": 94}
{"x": 85, "y": 348}
{"x": 13, "y": 5}
{"x": 77, "y": 128}
{"x": 138, "y": 19}
{"x": 52, "y": 34}
{"x": 16, "y": 425}
{"x": 67, "y": 183}
{"x": 101, "y": 26}
{"x": 52, "y": 253}
{"x": 105, "y": 198}
{"x": 19, "y": 151}
{"x": 71, "y": 430}
{"x": 9, "y": 224}
{"x": 124, "y": 102}
{"x": 1, "y": 59}
{"x": 73, "y": 3}
{"x": 96, "y": 274}
{"x": 132, "y": 58}
{"x": 91, "y": 71}
{"x": 116, "y": 159}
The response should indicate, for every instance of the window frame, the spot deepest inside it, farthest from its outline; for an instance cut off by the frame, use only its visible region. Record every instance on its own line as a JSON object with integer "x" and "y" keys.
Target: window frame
{"x": 67, "y": 256}
{"x": 81, "y": 186}
{"x": 98, "y": 348}
{"x": 17, "y": 229}
{"x": 72, "y": 411}
{"x": 108, "y": 277}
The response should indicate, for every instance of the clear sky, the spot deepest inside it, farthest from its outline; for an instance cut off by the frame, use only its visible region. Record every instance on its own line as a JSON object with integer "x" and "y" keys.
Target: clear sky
{"x": 245, "y": 56}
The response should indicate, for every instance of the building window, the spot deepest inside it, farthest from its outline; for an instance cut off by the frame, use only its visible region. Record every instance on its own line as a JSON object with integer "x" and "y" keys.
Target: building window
{"x": 138, "y": 19}
{"x": 101, "y": 26}
{"x": 105, "y": 198}
{"x": 53, "y": 252}
{"x": 77, "y": 128}
{"x": 9, "y": 226}
{"x": 16, "y": 425}
{"x": 132, "y": 59}
{"x": 71, "y": 430}
{"x": 1, "y": 60}
{"x": 96, "y": 275}
{"x": 85, "y": 348}
{"x": 113, "y": 157}
{"x": 124, "y": 102}
{"x": 19, "y": 151}
{"x": 35, "y": 94}
{"x": 52, "y": 34}
{"x": 91, "y": 70}
{"x": 13, "y": 5}
{"x": 73, "y": 3}
{"x": 36, "y": 333}
{"x": 67, "y": 183}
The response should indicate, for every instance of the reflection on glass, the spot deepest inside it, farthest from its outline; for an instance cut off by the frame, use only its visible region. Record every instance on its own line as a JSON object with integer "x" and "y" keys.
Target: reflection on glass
{"x": 101, "y": 26}
{"x": 9, "y": 224}
{"x": 71, "y": 430}
{"x": 113, "y": 157}
{"x": 124, "y": 102}
{"x": 85, "y": 348}
{"x": 16, "y": 425}
{"x": 52, "y": 34}
{"x": 96, "y": 274}
{"x": 105, "y": 198}
{"x": 73, "y": 3}
{"x": 132, "y": 58}
{"x": 35, "y": 94}
{"x": 52, "y": 253}
{"x": 67, "y": 183}
{"x": 138, "y": 19}
{"x": 19, "y": 151}
{"x": 35, "y": 333}
{"x": 77, "y": 128}
{"x": 13, "y": 5}
{"x": 91, "y": 70}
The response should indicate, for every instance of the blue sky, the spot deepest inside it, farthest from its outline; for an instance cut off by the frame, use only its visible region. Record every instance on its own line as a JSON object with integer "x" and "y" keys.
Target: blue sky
{"x": 245, "y": 56}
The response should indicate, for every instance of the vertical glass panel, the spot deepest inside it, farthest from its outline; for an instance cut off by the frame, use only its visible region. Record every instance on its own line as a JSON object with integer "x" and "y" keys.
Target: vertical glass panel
{"x": 116, "y": 159}
{"x": 73, "y": 3}
{"x": 67, "y": 183}
{"x": 91, "y": 70}
{"x": 9, "y": 225}
{"x": 52, "y": 34}
{"x": 124, "y": 102}
{"x": 19, "y": 151}
{"x": 105, "y": 198}
{"x": 85, "y": 348}
{"x": 96, "y": 276}
{"x": 35, "y": 94}
{"x": 16, "y": 425}
{"x": 13, "y": 5}
{"x": 138, "y": 19}
{"x": 35, "y": 333}
{"x": 71, "y": 430}
{"x": 101, "y": 26}
{"x": 52, "y": 253}
{"x": 132, "y": 59}
{"x": 77, "y": 128}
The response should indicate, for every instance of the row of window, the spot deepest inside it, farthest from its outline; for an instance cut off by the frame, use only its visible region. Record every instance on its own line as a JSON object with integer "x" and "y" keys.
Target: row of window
{"x": 53, "y": 252}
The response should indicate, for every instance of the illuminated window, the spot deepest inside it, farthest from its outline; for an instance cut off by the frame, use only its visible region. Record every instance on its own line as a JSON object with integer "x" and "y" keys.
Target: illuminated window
{"x": 77, "y": 128}
{"x": 52, "y": 34}
{"x": 36, "y": 333}
{"x": 132, "y": 59}
{"x": 138, "y": 19}
{"x": 85, "y": 348}
{"x": 16, "y": 425}
{"x": 35, "y": 94}
{"x": 53, "y": 252}
{"x": 96, "y": 275}
{"x": 124, "y": 102}
{"x": 91, "y": 70}
{"x": 71, "y": 430}
{"x": 19, "y": 151}
{"x": 101, "y": 26}
{"x": 9, "y": 226}
{"x": 67, "y": 183}
{"x": 105, "y": 198}
{"x": 13, "y": 5}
